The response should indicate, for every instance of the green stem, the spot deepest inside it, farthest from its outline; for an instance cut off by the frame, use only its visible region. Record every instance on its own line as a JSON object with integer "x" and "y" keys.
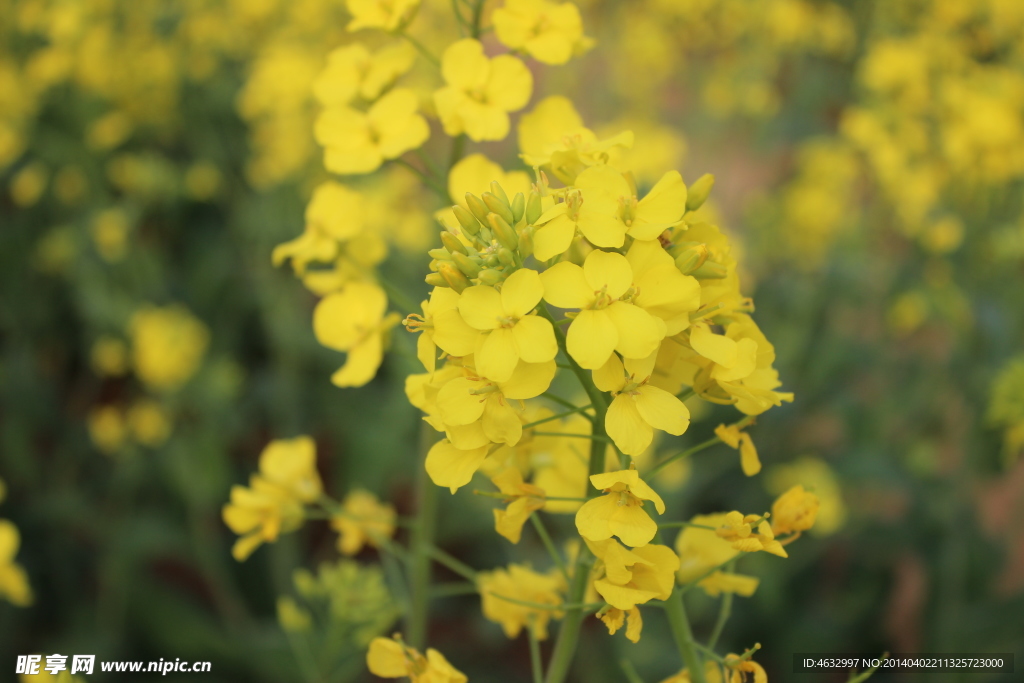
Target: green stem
{"x": 460, "y": 568}
{"x": 535, "y": 664}
{"x": 431, "y": 183}
{"x": 683, "y": 454}
{"x": 678, "y": 525}
{"x": 558, "y": 416}
{"x": 558, "y": 399}
{"x": 422, "y": 542}
{"x": 680, "y": 625}
{"x": 545, "y": 538}
{"x": 724, "y": 611}
{"x": 631, "y": 675}
{"x": 568, "y": 634}
{"x": 574, "y": 435}
{"x": 455, "y": 588}
{"x": 422, "y": 49}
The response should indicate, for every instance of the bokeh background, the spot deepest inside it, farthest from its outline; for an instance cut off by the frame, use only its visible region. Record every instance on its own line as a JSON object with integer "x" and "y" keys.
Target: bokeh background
{"x": 869, "y": 159}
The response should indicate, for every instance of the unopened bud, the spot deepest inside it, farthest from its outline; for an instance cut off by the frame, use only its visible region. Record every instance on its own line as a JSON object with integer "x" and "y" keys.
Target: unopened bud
{"x": 691, "y": 258}
{"x": 435, "y": 280}
{"x": 489, "y": 276}
{"x": 453, "y": 276}
{"x": 468, "y": 266}
{"x": 496, "y": 205}
{"x": 453, "y": 243}
{"x": 698, "y": 193}
{"x": 466, "y": 220}
{"x": 518, "y": 207}
{"x": 440, "y": 254}
{"x": 506, "y": 257}
{"x": 477, "y": 207}
{"x": 533, "y": 208}
{"x": 503, "y": 231}
{"x": 525, "y": 234}
{"x": 710, "y": 270}
{"x": 498, "y": 192}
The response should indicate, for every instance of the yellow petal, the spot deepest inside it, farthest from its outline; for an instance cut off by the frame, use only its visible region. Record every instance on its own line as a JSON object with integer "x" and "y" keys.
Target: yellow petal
{"x": 464, "y": 65}
{"x": 509, "y": 522}
{"x": 453, "y": 334}
{"x": 593, "y": 520}
{"x": 639, "y": 332}
{"x": 635, "y": 625}
{"x": 386, "y": 659}
{"x": 361, "y": 364}
{"x": 554, "y": 237}
{"x": 622, "y": 597}
{"x": 642, "y": 490}
{"x": 626, "y": 427}
{"x": 535, "y": 339}
{"x": 566, "y": 286}
{"x": 749, "y": 461}
{"x": 481, "y": 307}
{"x": 633, "y": 525}
{"x": 662, "y": 410}
{"x": 529, "y": 380}
{"x": 510, "y": 84}
{"x": 611, "y": 376}
{"x": 452, "y": 467}
{"x": 457, "y": 405}
{"x": 501, "y": 423}
{"x": 521, "y": 293}
{"x": 663, "y": 206}
{"x": 714, "y": 347}
{"x": 497, "y": 355}
{"x": 592, "y": 338}
{"x": 609, "y": 271}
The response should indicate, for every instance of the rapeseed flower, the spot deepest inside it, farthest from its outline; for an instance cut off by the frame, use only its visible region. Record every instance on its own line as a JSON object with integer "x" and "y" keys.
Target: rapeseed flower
{"x": 620, "y": 511}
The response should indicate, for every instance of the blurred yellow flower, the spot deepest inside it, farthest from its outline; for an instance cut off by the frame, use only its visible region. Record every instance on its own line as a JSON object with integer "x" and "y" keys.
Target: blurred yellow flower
{"x": 353, "y": 71}
{"x": 107, "y": 429}
{"x": 549, "y": 32}
{"x": 110, "y": 234}
{"x": 109, "y": 357}
{"x": 363, "y": 520}
{"x": 741, "y": 441}
{"x": 149, "y": 423}
{"x": 519, "y": 582}
{"x": 14, "y": 585}
{"x": 523, "y": 499}
{"x": 701, "y": 551}
{"x": 794, "y": 511}
{"x": 168, "y": 344}
{"x": 28, "y": 184}
{"x": 355, "y": 320}
{"x": 391, "y": 658}
{"x": 389, "y": 15}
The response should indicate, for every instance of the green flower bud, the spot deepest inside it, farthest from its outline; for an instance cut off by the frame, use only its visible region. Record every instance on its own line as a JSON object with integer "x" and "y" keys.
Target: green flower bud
{"x": 533, "y": 208}
{"x": 466, "y": 220}
{"x": 691, "y": 258}
{"x": 453, "y": 243}
{"x": 698, "y": 193}
{"x": 490, "y": 276}
{"x": 435, "y": 280}
{"x": 499, "y": 207}
{"x": 498, "y": 192}
{"x": 506, "y": 257}
{"x": 477, "y": 207}
{"x": 518, "y": 207}
{"x": 526, "y": 240}
{"x": 440, "y": 254}
{"x": 454, "y": 277}
{"x": 710, "y": 270}
{"x": 503, "y": 231}
{"x": 468, "y": 266}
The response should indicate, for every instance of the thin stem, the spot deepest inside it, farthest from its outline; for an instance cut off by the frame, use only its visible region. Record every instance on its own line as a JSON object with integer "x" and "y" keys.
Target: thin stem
{"x": 422, "y": 49}
{"x": 569, "y": 498}
{"x": 631, "y": 675}
{"x": 431, "y": 183}
{"x": 545, "y": 538}
{"x": 574, "y": 435}
{"x": 865, "y": 675}
{"x": 445, "y": 590}
{"x": 422, "y": 542}
{"x": 558, "y": 399}
{"x": 680, "y": 625}
{"x": 686, "y": 394}
{"x": 535, "y": 664}
{"x": 460, "y": 568}
{"x": 550, "y": 608}
{"x": 677, "y": 525}
{"x": 724, "y": 611}
{"x": 458, "y": 148}
{"x": 478, "y": 10}
{"x": 683, "y": 454}
{"x": 709, "y": 652}
{"x": 558, "y": 416}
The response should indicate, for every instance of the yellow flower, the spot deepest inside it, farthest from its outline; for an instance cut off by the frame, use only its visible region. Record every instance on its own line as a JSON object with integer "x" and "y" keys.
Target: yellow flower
{"x": 638, "y": 407}
{"x": 355, "y": 142}
{"x": 701, "y": 550}
{"x": 547, "y": 31}
{"x": 28, "y": 184}
{"x": 604, "y": 323}
{"x": 474, "y": 399}
{"x": 794, "y": 511}
{"x": 273, "y": 504}
{"x": 614, "y": 618}
{"x": 335, "y": 214}
{"x": 627, "y": 578}
{"x": 480, "y": 91}
{"x": 391, "y": 658}
{"x": 519, "y": 582}
{"x": 454, "y": 467}
{"x": 352, "y": 71}
{"x": 14, "y": 584}
{"x": 738, "y": 529}
{"x": 620, "y": 511}
{"x": 363, "y": 520}
{"x": 734, "y": 438}
{"x": 740, "y": 668}
{"x": 442, "y": 326}
{"x": 167, "y": 345}
{"x": 389, "y": 15}
{"x": 817, "y": 477}
{"x": 524, "y": 500}
{"x": 107, "y": 429}
{"x": 659, "y": 288}
{"x": 511, "y": 332}
{"x": 149, "y": 423}
{"x": 354, "y": 320}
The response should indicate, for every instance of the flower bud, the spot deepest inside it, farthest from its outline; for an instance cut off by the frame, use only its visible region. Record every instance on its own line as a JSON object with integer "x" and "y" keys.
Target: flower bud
{"x": 691, "y": 258}
{"x": 435, "y": 280}
{"x": 468, "y": 266}
{"x": 477, "y": 207}
{"x": 440, "y": 254}
{"x": 497, "y": 206}
{"x": 710, "y": 270}
{"x": 489, "y": 276}
{"x": 698, "y": 193}
{"x": 498, "y": 192}
{"x": 506, "y": 257}
{"x": 453, "y": 276}
{"x": 503, "y": 231}
{"x": 533, "y": 208}
{"x": 525, "y": 234}
{"x": 466, "y": 220}
{"x": 453, "y": 243}
{"x": 518, "y": 207}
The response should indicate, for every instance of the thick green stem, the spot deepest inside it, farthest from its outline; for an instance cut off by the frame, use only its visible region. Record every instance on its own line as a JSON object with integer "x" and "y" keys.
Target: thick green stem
{"x": 680, "y": 626}
{"x": 568, "y": 634}
{"x": 422, "y": 543}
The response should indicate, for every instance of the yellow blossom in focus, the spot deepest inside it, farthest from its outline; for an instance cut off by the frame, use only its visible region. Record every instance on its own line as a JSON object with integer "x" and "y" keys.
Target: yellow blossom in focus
{"x": 14, "y": 585}
{"x": 794, "y": 511}
{"x": 168, "y": 344}
{"x": 818, "y": 478}
{"x": 363, "y": 520}
{"x": 547, "y": 31}
{"x": 107, "y": 429}
{"x": 524, "y": 499}
{"x": 519, "y": 582}
{"x": 355, "y": 142}
{"x": 442, "y": 326}
{"x": 355, "y": 321}
{"x": 739, "y": 530}
{"x": 620, "y": 511}
{"x": 627, "y": 577}
{"x": 741, "y": 441}
{"x": 389, "y": 15}
{"x": 480, "y": 92}
{"x": 391, "y": 658}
